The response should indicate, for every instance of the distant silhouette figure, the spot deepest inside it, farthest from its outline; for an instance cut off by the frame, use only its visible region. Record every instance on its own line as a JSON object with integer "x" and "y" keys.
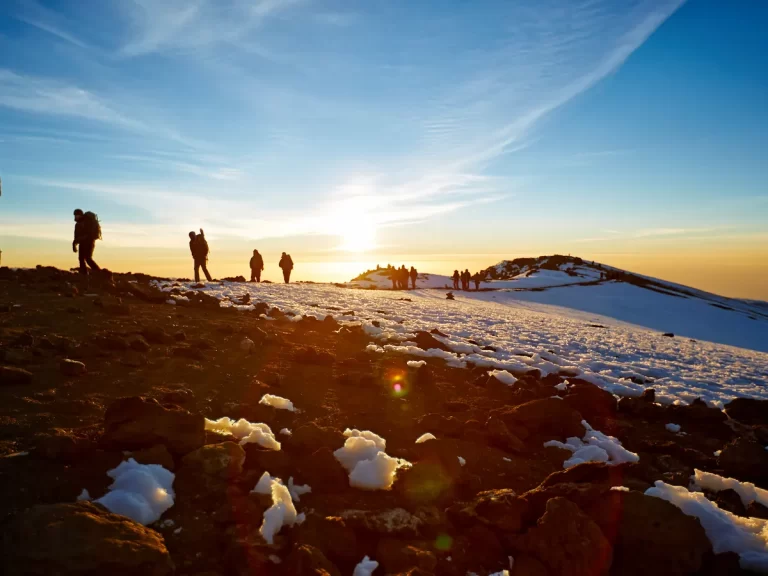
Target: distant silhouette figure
{"x": 198, "y": 246}
{"x": 403, "y": 275}
{"x": 414, "y": 276}
{"x": 466, "y": 277}
{"x": 257, "y": 265}
{"x": 393, "y": 275}
{"x": 456, "y": 277}
{"x": 477, "y": 278}
{"x": 87, "y": 231}
{"x": 286, "y": 263}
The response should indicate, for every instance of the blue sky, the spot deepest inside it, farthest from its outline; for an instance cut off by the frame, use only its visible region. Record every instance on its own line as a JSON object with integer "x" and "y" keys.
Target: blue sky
{"x": 387, "y": 127}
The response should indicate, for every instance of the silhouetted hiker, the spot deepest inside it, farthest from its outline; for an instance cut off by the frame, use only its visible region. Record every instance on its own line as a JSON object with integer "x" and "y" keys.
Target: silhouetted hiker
{"x": 257, "y": 265}
{"x": 456, "y": 278}
{"x": 393, "y": 272}
{"x": 477, "y": 278}
{"x": 467, "y": 279}
{"x": 403, "y": 277}
{"x": 198, "y": 245}
{"x": 87, "y": 231}
{"x": 287, "y": 265}
{"x": 414, "y": 276}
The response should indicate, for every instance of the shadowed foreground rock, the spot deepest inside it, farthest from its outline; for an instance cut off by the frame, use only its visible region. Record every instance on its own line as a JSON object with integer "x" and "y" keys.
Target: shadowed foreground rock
{"x": 81, "y": 538}
{"x": 132, "y": 423}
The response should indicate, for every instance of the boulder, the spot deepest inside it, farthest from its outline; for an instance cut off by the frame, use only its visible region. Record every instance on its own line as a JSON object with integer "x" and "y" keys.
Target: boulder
{"x": 501, "y": 510}
{"x": 440, "y": 425}
{"x": 10, "y": 376}
{"x": 748, "y": 411}
{"x": 307, "y": 560}
{"x": 426, "y": 341}
{"x": 156, "y": 335}
{"x": 215, "y": 461}
{"x": 650, "y": 535}
{"x": 332, "y": 535}
{"x": 497, "y": 434}
{"x": 745, "y": 460}
{"x": 546, "y": 416}
{"x": 312, "y": 356}
{"x": 157, "y": 454}
{"x": 396, "y": 556}
{"x": 139, "y": 344}
{"x": 590, "y": 401}
{"x": 72, "y": 367}
{"x": 567, "y": 541}
{"x": 390, "y": 522}
{"x": 324, "y": 471}
{"x": 81, "y": 538}
{"x": 133, "y": 423}
{"x": 311, "y": 437}
{"x": 191, "y": 352}
{"x": 60, "y": 444}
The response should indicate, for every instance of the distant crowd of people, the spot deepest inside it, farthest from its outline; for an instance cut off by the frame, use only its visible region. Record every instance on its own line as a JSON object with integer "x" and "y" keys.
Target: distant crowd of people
{"x": 464, "y": 278}
{"x": 400, "y": 277}
{"x": 88, "y": 231}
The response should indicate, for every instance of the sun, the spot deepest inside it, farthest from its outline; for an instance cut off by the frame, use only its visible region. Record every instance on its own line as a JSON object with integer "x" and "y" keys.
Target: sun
{"x": 358, "y": 237}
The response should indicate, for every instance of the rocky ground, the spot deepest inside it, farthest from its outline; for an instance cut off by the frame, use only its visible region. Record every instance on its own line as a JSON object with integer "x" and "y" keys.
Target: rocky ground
{"x": 91, "y": 374}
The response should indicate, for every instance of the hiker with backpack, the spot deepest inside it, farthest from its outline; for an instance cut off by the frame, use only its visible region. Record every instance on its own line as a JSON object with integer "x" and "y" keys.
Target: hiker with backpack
{"x": 198, "y": 245}
{"x": 477, "y": 278}
{"x": 257, "y": 265}
{"x": 455, "y": 279}
{"x": 87, "y": 231}
{"x": 414, "y": 274}
{"x": 286, "y": 264}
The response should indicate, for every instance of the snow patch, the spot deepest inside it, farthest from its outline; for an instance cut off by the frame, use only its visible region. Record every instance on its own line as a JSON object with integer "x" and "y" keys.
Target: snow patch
{"x": 462, "y": 461}
{"x": 286, "y": 432}
{"x": 748, "y": 537}
{"x": 673, "y": 427}
{"x": 416, "y": 363}
{"x": 244, "y": 431}
{"x": 142, "y": 492}
{"x": 84, "y": 496}
{"x": 503, "y": 376}
{"x": 363, "y": 456}
{"x": 277, "y": 402}
{"x": 747, "y": 491}
{"x": 619, "y": 488}
{"x": 366, "y": 567}
{"x": 594, "y": 447}
{"x": 424, "y": 437}
{"x": 281, "y": 513}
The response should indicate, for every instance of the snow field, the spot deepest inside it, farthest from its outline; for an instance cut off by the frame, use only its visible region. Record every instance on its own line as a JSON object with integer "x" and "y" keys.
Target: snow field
{"x": 621, "y": 358}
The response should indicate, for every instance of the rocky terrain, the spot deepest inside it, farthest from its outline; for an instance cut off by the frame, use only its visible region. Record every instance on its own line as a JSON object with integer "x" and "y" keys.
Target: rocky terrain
{"x": 94, "y": 373}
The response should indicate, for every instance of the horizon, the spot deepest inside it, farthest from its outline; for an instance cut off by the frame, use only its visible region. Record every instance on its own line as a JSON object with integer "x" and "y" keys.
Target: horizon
{"x": 431, "y": 135}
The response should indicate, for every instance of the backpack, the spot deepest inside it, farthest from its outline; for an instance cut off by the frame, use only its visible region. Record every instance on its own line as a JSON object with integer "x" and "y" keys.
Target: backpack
{"x": 201, "y": 246}
{"x": 92, "y": 226}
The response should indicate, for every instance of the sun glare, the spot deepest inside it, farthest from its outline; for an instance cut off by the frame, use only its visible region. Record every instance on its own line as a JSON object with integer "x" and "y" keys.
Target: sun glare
{"x": 359, "y": 238}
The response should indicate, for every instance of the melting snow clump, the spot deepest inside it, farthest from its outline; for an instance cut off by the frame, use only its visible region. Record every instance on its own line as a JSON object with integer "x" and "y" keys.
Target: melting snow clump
{"x": 416, "y": 363}
{"x": 462, "y": 461}
{"x": 424, "y": 437}
{"x": 366, "y": 567}
{"x": 594, "y": 447}
{"x": 286, "y": 432}
{"x": 265, "y": 483}
{"x": 277, "y": 402}
{"x": 363, "y": 456}
{"x": 142, "y": 492}
{"x": 282, "y": 512}
{"x": 503, "y": 376}
{"x": 619, "y": 488}
{"x": 747, "y": 491}
{"x": 673, "y": 427}
{"x": 244, "y": 431}
{"x": 748, "y": 537}
{"x": 84, "y": 496}
{"x": 563, "y": 386}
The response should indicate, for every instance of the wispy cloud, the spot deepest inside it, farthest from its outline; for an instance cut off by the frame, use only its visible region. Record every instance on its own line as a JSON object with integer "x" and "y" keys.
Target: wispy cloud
{"x": 32, "y": 13}
{"x": 180, "y": 25}
{"x": 52, "y": 97}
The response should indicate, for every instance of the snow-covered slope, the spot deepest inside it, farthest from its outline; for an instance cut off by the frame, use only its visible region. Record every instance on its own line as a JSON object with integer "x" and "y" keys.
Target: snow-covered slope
{"x": 510, "y": 333}
{"x": 381, "y": 280}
